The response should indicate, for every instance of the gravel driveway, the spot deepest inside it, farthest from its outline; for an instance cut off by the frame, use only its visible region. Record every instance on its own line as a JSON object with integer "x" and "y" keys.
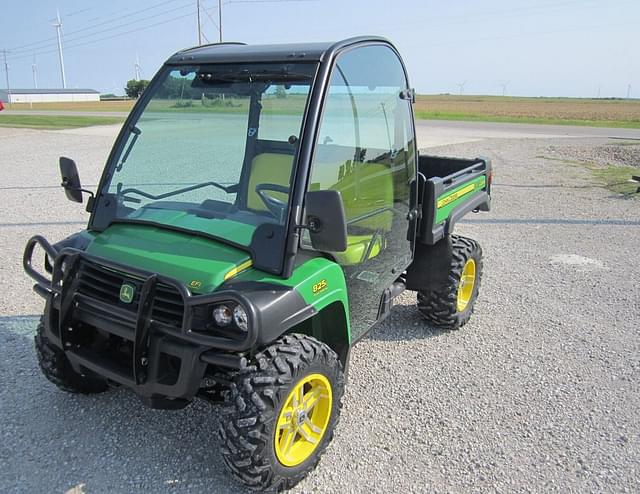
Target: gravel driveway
{"x": 539, "y": 392}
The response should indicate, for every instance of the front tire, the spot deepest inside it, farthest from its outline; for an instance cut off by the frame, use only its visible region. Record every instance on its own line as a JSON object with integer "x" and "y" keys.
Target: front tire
{"x": 451, "y": 306}
{"x": 281, "y": 412}
{"x": 56, "y": 367}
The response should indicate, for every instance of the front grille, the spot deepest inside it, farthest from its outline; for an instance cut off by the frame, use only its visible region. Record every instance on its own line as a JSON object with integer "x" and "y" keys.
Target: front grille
{"x": 103, "y": 284}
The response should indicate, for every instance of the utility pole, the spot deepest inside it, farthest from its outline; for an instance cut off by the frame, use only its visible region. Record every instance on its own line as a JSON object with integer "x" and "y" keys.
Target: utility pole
{"x": 58, "y": 26}
{"x": 6, "y": 73}
{"x": 504, "y": 88}
{"x": 199, "y": 24}
{"x": 220, "y": 19}
{"x": 34, "y": 70}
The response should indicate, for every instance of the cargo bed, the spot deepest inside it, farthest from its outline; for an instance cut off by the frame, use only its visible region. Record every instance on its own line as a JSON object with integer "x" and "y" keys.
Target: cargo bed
{"x": 448, "y": 189}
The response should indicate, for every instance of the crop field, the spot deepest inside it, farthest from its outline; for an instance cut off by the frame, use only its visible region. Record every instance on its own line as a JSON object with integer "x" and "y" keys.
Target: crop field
{"x": 557, "y": 111}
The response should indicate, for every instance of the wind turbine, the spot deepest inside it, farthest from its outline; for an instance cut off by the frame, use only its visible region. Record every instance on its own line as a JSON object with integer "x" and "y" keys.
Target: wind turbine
{"x": 34, "y": 71}
{"x": 58, "y": 25}
{"x": 461, "y": 86}
{"x": 137, "y": 67}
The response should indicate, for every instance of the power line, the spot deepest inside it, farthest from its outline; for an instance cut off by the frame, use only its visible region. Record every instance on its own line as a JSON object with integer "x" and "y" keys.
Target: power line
{"x": 132, "y": 30}
{"x": 69, "y": 46}
{"x": 81, "y": 11}
{"x": 465, "y": 42}
{"x": 21, "y": 50}
{"x": 108, "y": 21}
{"x": 211, "y": 18}
{"x": 220, "y": 3}
{"x": 106, "y": 30}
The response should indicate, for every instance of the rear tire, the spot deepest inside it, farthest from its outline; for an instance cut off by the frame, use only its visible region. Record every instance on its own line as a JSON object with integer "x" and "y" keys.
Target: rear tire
{"x": 281, "y": 412}
{"x": 451, "y": 306}
{"x": 56, "y": 368}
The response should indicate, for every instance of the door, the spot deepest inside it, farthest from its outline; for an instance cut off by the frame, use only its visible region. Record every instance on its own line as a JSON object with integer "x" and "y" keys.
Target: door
{"x": 366, "y": 150}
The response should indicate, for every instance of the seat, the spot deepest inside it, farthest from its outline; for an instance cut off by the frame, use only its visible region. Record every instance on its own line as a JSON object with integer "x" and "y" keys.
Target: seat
{"x": 367, "y": 195}
{"x": 268, "y": 168}
{"x": 357, "y": 246}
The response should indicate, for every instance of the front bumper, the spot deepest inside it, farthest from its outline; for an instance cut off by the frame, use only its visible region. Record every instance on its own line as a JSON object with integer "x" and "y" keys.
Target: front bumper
{"x": 160, "y": 355}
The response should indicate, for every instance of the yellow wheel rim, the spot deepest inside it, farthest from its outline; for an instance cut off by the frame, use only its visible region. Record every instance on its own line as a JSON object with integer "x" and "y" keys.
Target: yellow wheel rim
{"x": 303, "y": 420}
{"x": 467, "y": 282}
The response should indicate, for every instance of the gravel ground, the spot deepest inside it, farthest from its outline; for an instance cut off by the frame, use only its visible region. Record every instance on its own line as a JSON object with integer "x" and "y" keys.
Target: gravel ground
{"x": 621, "y": 153}
{"x": 539, "y": 392}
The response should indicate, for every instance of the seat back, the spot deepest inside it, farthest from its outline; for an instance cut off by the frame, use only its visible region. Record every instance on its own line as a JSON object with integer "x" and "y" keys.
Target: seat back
{"x": 368, "y": 190}
{"x": 268, "y": 168}
{"x": 367, "y": 193}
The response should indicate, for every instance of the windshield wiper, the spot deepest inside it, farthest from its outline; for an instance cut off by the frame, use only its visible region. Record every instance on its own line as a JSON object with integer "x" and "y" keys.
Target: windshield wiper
{"x": 136, "y": 133}
{"x": 228, "y": 189}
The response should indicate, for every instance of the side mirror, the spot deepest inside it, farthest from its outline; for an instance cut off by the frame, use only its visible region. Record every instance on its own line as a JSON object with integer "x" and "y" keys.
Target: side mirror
{"x": 70, "y": 179}
{"x": 325, "y": 220}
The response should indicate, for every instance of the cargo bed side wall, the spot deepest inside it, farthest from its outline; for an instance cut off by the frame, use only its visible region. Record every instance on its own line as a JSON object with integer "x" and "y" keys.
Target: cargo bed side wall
{"x": 451, "y": 188}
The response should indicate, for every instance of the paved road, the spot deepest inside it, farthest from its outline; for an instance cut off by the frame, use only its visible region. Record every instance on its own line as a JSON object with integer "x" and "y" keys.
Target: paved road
{"x": 442, "y": 132}
{"x": 539, "y": 393}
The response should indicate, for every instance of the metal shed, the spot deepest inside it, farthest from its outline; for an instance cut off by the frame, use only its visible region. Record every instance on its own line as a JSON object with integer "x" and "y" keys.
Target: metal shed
{"x": 48, "y": 95}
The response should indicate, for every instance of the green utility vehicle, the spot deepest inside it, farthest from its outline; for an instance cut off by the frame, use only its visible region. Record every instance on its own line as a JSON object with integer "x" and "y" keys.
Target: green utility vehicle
{"x": 261, "y": 209}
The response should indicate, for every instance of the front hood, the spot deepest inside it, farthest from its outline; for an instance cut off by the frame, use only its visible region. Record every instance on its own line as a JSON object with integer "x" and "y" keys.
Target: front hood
{"x": 200, "y": 263}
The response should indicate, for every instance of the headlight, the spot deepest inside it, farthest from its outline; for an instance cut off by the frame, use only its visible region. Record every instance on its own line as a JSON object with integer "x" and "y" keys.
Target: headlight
{"x": 222, "y": 315}
{"x": 240, "y": 318}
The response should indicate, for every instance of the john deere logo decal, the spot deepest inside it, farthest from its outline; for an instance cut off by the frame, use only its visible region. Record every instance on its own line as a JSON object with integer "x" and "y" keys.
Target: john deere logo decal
{"x": 126, "y": 293}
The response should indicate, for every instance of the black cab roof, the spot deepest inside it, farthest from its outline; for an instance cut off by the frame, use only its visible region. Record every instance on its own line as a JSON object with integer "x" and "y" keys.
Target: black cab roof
{"x": 231, "y": 52}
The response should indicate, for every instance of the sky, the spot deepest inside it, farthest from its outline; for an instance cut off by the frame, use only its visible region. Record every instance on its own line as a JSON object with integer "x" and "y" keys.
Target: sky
{"x": 574, "y": 48}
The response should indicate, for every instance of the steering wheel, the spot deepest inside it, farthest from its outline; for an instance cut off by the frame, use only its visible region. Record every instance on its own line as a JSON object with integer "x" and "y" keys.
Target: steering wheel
{"x": 275, "y": 206}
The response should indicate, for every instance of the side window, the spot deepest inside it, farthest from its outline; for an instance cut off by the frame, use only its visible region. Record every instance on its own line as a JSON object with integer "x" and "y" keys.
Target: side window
{"x": 365, "y": 148}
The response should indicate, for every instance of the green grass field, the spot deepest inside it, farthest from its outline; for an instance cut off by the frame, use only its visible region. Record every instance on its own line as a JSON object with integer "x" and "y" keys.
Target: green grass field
{"x": 54, "y": 122}
{"x": 617, "y": 179}
{"x": 475, "y": 117}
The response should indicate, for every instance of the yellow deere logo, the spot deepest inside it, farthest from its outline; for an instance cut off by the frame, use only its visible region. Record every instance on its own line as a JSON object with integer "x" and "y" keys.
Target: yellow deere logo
{"x": 126, "y": 293}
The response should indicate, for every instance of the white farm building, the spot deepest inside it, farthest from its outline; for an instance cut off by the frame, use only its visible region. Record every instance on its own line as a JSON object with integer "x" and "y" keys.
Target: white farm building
{"x": 48, "y": 95}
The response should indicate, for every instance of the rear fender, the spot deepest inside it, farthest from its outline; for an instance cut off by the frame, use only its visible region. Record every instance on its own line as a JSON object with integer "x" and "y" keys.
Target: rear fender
{"x": 430, "y": 266}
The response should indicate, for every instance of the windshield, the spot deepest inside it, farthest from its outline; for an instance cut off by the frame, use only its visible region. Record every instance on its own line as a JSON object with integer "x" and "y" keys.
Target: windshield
{"x": 212, "y": 151}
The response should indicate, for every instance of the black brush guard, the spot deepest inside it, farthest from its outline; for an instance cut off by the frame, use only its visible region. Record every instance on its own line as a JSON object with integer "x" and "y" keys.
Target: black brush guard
{"x": 151, "y": 338}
